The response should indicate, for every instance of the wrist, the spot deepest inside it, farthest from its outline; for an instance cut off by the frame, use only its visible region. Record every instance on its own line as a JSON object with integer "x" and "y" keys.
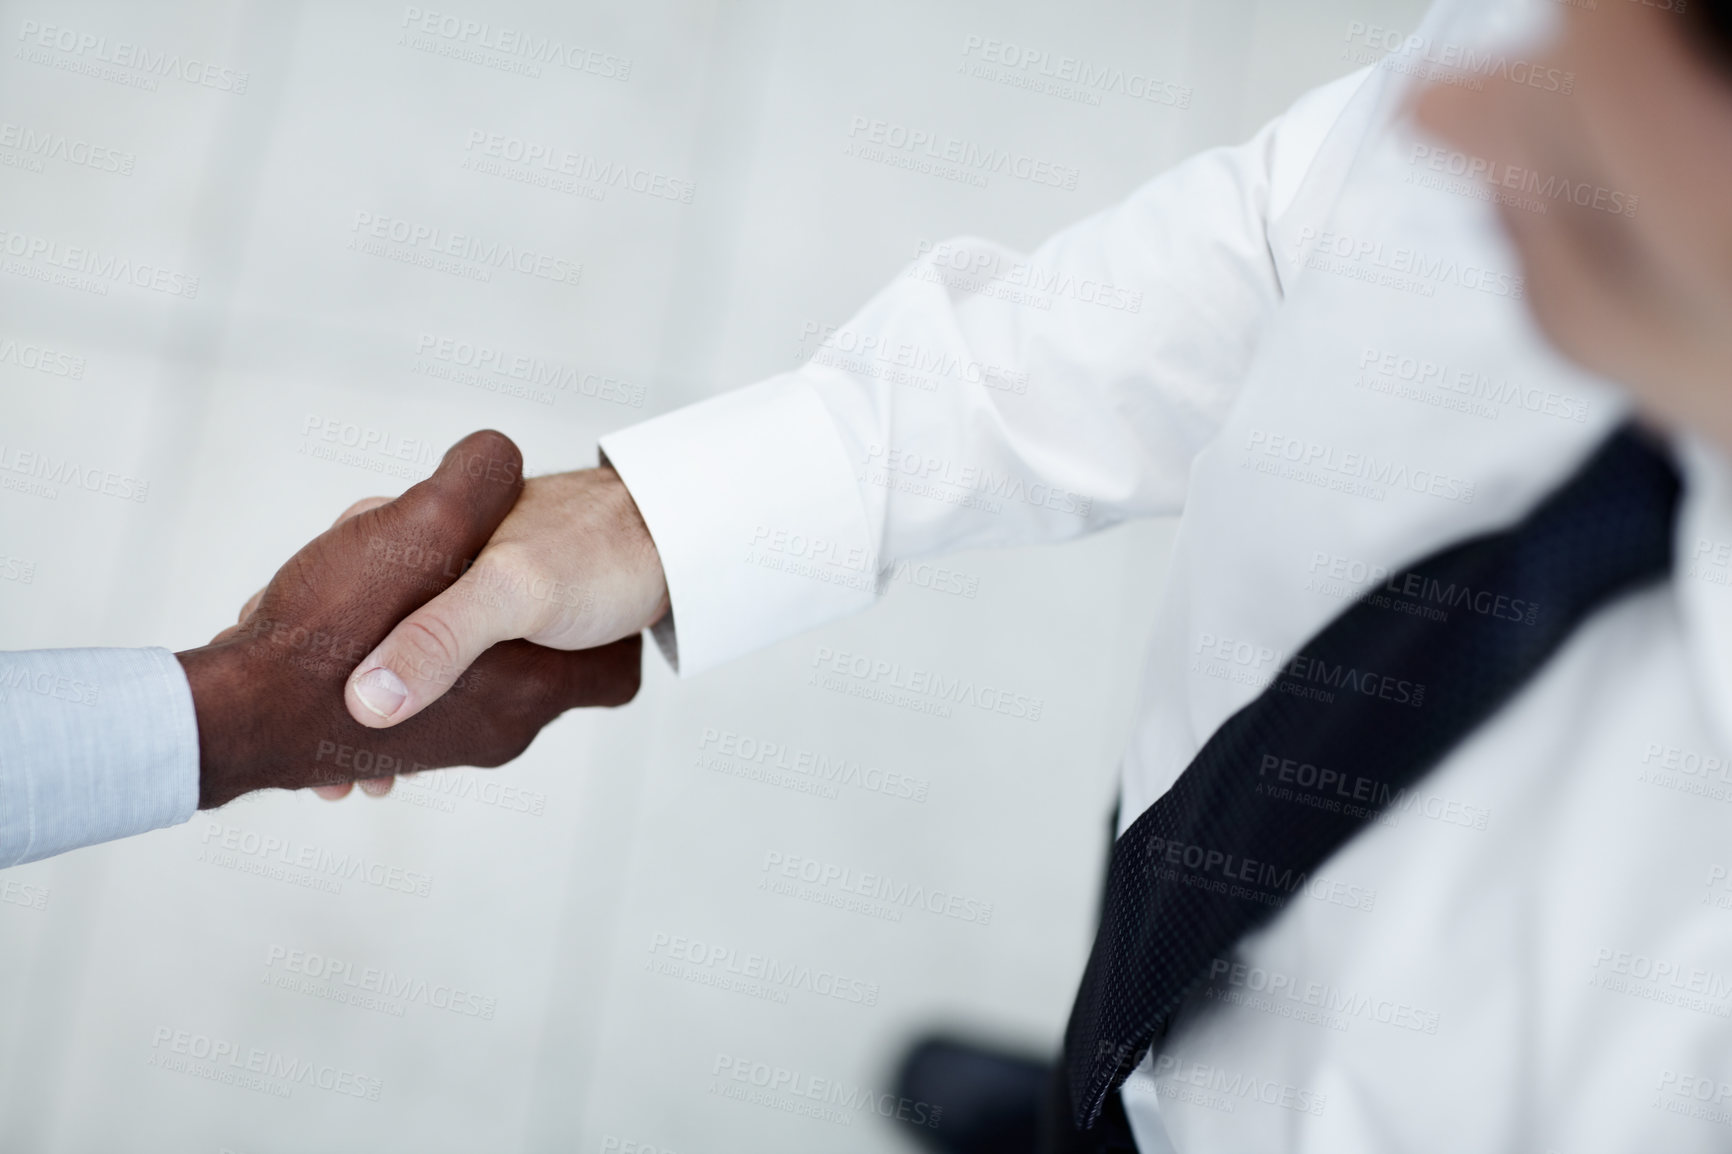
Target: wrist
{"x": 643, "y": 562}
{"x": 227, "y": 766}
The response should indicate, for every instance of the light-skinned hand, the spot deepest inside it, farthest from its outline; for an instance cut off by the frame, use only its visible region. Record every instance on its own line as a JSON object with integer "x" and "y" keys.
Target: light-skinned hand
{"x": 571, "y": 567}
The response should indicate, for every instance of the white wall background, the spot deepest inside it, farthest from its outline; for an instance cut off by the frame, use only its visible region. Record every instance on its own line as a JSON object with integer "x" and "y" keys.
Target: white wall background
{"x": 549, "y": 917}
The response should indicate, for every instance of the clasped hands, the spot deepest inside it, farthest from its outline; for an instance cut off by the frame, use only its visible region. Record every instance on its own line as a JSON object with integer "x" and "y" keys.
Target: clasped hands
{"x": 445, "y": 627}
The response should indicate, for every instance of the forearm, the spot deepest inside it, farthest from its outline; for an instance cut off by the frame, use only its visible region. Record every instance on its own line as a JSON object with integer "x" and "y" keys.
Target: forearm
{"x": 984, "y": 397}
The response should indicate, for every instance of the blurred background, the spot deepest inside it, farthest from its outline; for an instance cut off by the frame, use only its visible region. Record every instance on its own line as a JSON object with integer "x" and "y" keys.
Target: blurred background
{"x": 250, "y": 264}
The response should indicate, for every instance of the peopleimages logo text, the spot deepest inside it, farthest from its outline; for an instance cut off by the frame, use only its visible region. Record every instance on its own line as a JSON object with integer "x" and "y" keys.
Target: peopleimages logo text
{"x": 318, "y": 861}
{"x": 465, "y": 246}
{"x": 122, "y": 54}
{"x": 762, "y": 968}
{"x": 1417, "y": 54}
{"x": 72, "y": 474}
{"x": 877, "y": 887}
{"x": 977, "y": 266}
{"x": 515, "y": 42}
{"x": 966, "y": 154}
{"x": 1528, "y": 181}
{"x": 40, "y": 358}
{"x": 338, "y": 972}
{"x": 1356, "y": 467}
{"x": 1249, "y": 878}
{"x": 102, "y": 266}
{"x": 893, "y": 675}
{"x": 1399, "y": 266}
{"x": 1086, "y": 75}
{"x": 44, "y": 145}
{"x": 223, "y": 1057}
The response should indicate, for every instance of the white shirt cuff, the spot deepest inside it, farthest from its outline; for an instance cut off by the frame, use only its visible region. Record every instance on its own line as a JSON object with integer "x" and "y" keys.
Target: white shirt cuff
{"x": 95, "y": 744}
{"x": 757, "y": 514}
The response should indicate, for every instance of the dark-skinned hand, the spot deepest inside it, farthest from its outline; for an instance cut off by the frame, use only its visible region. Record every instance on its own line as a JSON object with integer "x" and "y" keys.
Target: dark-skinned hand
{"x": 268, "y": 692}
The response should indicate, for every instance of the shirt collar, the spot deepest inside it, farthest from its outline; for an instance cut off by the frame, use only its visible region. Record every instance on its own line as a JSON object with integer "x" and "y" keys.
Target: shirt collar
{"x": 1702, "y": 575}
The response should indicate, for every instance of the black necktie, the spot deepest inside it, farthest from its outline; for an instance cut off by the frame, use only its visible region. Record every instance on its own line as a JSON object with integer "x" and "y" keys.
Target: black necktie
{"x": 1378, "y": 698}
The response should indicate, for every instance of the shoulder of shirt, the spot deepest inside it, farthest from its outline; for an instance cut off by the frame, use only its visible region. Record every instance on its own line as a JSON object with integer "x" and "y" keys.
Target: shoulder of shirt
{"x": 1297, "y": 141}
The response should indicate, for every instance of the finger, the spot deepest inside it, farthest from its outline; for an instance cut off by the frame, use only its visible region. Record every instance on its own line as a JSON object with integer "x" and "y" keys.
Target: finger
{"x": 432, "y": 647}
{"x": 376, "y": 786}
{"x": 415, "y": 546}
{"x": 333, "y": 792}
{"x": 355, "y": 510}
{"x": 611, "y": 677}
{"x": 607, "y": 675}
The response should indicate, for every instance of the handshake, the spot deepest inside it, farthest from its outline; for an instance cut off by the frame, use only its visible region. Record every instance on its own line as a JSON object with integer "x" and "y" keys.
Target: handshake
{"x": 443, "y": 628}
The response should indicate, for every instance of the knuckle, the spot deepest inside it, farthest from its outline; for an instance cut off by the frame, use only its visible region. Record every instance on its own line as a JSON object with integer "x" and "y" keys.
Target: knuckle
{"x": 492, "y": 757}
{"x": 617, "y": 673}
{"x": 629, "y": 678}
{"x": 442, "y": 513}
{"x": 445, "y": 508}
{"x": 508, "y": 560}
{"x": 537, "y": 695}
{"x": 514, "y": 576}
{"x": 432, "y": 646}
{"x": 487, "y": 457}
{"x": 506, "y": 742}
{"x": 498, "y": 450}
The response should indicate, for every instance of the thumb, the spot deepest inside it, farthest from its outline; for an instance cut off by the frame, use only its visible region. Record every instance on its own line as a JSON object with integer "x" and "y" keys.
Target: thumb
{"x": 431, "y": 648}
{"x": 450, "y": 515}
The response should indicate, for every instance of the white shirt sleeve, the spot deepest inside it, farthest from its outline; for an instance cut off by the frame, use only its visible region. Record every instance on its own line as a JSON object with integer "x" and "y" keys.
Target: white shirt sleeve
{"x": 983, "y": 398}
{"x": 95, "y": 744}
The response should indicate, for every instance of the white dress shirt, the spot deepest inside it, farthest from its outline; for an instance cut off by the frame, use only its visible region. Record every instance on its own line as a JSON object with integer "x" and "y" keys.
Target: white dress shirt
{"x": 1315, "y": 347}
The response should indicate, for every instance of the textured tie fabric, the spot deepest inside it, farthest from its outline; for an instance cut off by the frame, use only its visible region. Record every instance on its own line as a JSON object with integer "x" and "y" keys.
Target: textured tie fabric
{"x": 1369, "y": 705}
